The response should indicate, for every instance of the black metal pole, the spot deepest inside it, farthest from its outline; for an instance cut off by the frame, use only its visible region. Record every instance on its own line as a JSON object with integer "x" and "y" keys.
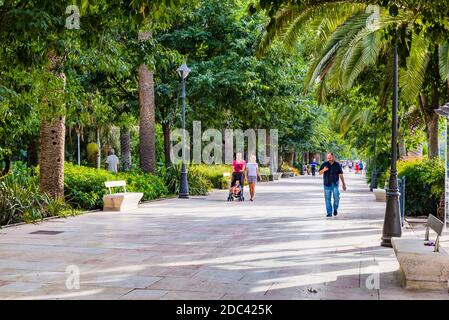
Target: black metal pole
{"x": 373, "y": 184}
{"x": 392, "y": 223}
{"x": 184, "y": 185}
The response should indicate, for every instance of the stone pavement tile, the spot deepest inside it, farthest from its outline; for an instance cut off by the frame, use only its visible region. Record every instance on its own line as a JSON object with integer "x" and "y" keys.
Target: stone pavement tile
{"x": 338, "y": 293}
{"x": 20, "y": 287}
{"x": 192, "y": 295}
{"x": 208, "y": 285}
{"x": 57, "y": 292}
{"x": 31, "y": 276}
{"x": 232, "y": 296}
{"x": 119, "y": 281}
{"x": 32, "y": 265}
{"x": 180, "y": 271}
{"x": 144, "y": 294}
{"x": 217, "y": 273}
{"x": 311, "y": 291}
{"x": 348, "y": 282}
{"x": 261, "y": 275}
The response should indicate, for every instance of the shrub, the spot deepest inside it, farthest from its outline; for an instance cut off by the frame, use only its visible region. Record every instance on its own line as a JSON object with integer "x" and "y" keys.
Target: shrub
{"x": 20, "y": 199}
{"x": 153, "y": 187}
{"x": 214, "y": 173}
{"x": 84, "y": 186}
{"x": 285, "y": 168}
{"x": 424, "y": 185}
{"x": 199, "y": 184}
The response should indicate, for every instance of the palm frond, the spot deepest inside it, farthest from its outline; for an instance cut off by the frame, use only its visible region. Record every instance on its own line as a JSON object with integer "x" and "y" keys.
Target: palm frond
{"x": 335, "y": 48}
{"x": 412, "y": 79}
{"x": 292, "y": 18}
{"x": 330, "y": 15}
{"x": 444, "y": 60}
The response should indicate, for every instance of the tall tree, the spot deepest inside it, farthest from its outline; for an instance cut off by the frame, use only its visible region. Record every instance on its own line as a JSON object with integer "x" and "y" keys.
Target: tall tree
{"x": 353, "y": 41}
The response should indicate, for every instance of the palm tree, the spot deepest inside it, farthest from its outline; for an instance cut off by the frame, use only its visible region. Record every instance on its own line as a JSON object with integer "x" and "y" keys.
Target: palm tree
{"x": 146, "y": 11}
{"x": 351, "y": 43}
{"x": 52, "y": 136}
{"x": 147, "y": 113}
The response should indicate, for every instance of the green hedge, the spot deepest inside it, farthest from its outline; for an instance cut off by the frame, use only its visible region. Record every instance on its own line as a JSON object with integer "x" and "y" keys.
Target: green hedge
{"x": 84, "y": 186}
{"x": 214, "y": 173}
{"x": 424, "y": 185}
{"x": 199, "y": 184}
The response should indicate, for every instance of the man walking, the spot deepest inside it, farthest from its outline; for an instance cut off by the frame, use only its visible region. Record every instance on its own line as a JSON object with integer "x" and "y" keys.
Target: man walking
{"x": 313, "y": 165}
{"x": 332, "y": 173}
{"x": 112, "y": 161}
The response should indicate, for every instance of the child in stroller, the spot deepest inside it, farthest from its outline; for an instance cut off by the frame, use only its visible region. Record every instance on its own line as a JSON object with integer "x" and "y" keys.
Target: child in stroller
{"x": 236, "y": 190}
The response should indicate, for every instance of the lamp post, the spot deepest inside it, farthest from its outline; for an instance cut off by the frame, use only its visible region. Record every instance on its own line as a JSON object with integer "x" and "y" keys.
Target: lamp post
{"x": 392, "y": 223}
{"x": 183, "y": 72}
{"x": 443, "y": 111}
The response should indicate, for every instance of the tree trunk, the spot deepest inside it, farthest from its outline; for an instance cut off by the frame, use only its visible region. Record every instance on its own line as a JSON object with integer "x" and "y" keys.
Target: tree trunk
{"x": 33, "y": 152}
{"x": 125, "y": 148}
{"x": 99, "y": 149}
{"x": 289, "y": 158}
{"x": 432, "y": 128}
{"x": 402, "y": 148}
{"x": 431, "y": 122}
{"x": 52, "y": 141}
{"x": 52, "y": 157}
{"x": 167, "y": 144}
{"x": 147, "y": 115}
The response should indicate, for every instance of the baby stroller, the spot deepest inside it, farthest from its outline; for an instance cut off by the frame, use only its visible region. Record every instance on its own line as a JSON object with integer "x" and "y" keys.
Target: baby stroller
{"x": 240, "y": 177}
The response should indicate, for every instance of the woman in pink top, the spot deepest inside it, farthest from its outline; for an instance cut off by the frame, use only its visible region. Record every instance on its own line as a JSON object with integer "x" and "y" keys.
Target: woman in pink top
{"x": 238, "y": 169}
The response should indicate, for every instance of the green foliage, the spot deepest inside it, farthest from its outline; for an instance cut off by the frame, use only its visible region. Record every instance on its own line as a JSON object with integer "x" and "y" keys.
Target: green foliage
{"x": 20, "y": 199}
{"x": 285, "y": 168}
{"x": 424, "y": 185}
{"x": 199, "y": 184}
{"x": 214, "y": 173}
{"x": 153, "y": 187}
{"x": 84, "y": 187}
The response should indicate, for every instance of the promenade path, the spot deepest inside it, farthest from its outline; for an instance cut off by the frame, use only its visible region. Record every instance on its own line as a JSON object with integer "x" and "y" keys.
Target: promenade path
{"x": 279, "y": 247}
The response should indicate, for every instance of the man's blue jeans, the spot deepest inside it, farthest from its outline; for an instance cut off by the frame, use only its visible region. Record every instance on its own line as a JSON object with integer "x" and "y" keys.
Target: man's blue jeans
{"x": 328, "y": 192}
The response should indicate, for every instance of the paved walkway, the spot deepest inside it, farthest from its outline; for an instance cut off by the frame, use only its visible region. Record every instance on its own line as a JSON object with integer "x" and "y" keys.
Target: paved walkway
{"x": 279, "y": 247}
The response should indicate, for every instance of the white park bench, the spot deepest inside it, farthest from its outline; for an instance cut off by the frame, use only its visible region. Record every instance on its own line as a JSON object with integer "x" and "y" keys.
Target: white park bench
{"x": 120, "y": 201}
{"x": 423, "y": 266}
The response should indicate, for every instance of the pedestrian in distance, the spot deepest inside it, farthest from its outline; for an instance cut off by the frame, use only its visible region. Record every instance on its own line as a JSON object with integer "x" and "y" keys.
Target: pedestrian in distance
{"x": 313, "y": 165}
{"x": 112, "y": 161}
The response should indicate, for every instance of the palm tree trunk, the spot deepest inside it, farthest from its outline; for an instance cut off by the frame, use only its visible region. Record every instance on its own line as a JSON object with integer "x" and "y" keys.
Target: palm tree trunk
{"x": 167, "y": 143}
{"x": 431, "y": 122}
{"x": 147, "y": 115}
{"x": 52, "y": 140}
{"x": 402, "y": 148}
{"x": 33, "y": 151}
{"x": 99, "y": 149}
{"x": 51, "y": 162}
{"x": 432, "y": 126}
{"x": 125, "y": 146}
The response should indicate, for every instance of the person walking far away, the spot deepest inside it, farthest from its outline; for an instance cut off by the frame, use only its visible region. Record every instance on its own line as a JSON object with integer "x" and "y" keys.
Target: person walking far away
{"x": 332, "y": 173}
{"x": 112, "y": 161}
{"x": 252, "y": 169}
{"x": 313, "y": 165}
{"x": 361, "y": 167}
